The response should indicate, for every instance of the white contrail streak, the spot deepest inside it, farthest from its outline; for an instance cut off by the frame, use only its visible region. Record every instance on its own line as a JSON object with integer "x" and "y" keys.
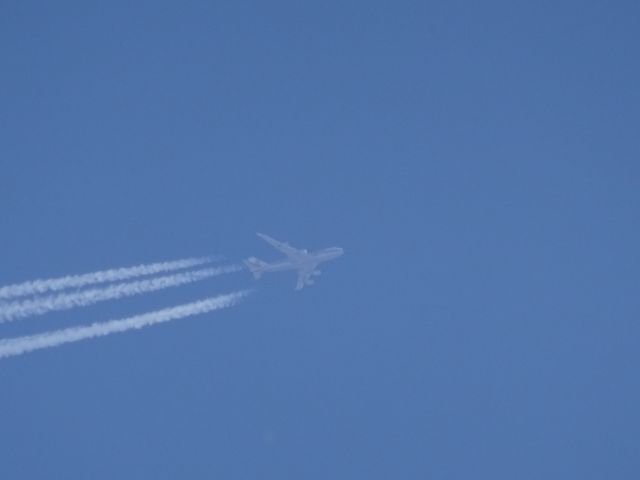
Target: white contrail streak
{"x": 36, "y": 287}
{"x": 17, "y": 346}
{"x": 64, "y": 301}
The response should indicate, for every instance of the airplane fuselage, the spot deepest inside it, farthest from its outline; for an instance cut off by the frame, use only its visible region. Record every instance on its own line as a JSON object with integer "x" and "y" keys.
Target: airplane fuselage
{"x": 311, "y": 261}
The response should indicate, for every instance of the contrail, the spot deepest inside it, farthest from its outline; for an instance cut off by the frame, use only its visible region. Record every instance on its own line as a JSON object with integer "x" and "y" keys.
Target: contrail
{"x": 64, "y": 301}
{"x": 36, "y": 287}
{"x": 20, "y": 345}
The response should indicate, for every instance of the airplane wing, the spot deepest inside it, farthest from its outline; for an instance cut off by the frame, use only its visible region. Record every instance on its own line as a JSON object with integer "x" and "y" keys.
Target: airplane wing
{"x": 304, "y": 275}
{"x": 288, "y": 250}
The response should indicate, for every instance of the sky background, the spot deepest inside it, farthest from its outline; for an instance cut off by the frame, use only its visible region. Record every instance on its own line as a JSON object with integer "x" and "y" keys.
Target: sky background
{"x": 478, "y": 162}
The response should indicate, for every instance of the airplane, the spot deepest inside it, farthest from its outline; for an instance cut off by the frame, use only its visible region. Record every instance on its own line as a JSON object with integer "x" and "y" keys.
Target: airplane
{"x": 301, "y": 260}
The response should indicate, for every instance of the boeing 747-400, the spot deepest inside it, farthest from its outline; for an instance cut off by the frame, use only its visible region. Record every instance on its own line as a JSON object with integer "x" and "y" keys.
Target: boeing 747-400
{"x": 304, "y": 262}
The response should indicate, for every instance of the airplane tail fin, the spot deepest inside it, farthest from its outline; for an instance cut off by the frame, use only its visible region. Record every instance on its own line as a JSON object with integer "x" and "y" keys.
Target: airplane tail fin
{"x": 255, "y": 266}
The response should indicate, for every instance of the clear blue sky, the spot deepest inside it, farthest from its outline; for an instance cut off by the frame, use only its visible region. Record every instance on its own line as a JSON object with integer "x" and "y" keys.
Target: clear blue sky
{"x": 478, "y": 161}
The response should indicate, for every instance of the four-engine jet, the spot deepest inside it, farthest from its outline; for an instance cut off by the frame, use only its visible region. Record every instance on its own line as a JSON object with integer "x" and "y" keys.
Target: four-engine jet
{"x": 301, "y": 260}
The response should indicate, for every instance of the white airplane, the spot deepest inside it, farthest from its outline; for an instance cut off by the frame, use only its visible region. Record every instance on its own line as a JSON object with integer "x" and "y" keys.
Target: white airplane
{"x": 301, "y": 260}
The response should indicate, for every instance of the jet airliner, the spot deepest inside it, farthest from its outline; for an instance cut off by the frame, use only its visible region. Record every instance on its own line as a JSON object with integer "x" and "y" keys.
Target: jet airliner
{"x": 301, "y": 260}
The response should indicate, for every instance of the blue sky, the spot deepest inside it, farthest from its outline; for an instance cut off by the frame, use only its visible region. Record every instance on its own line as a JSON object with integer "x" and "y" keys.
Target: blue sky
{"x": 477, "y": 161}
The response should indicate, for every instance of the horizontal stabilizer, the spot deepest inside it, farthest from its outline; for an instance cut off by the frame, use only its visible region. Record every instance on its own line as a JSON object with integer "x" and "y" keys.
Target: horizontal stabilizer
{"x": 255, "y": 266}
